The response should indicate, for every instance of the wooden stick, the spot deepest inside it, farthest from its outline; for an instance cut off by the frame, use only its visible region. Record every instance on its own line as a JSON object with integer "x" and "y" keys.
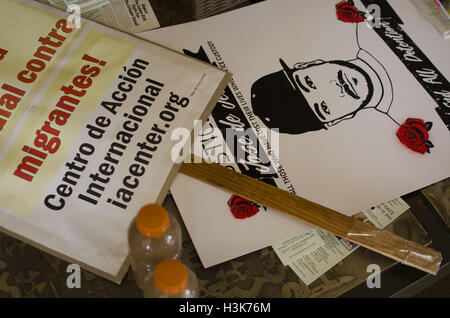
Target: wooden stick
{"x": 380, "y": 241}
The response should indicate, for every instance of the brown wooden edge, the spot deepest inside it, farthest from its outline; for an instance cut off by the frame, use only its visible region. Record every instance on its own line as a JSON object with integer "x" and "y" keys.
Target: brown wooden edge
{"x": 370, "y": 237}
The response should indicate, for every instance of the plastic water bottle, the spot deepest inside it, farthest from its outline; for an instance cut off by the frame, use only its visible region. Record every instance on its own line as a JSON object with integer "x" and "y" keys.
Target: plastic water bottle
{"x": 171, "y": 279}
{"x": 154, "y": 235}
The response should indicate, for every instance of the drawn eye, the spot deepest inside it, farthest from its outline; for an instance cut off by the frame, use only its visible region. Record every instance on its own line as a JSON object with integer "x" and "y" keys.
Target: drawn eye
{"x": 309, "y": 82}
{"x": 325, "y": 108}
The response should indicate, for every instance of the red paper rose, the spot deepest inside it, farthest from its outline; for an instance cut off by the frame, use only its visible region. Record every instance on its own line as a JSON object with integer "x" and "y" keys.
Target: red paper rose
{"x": 414, "y": 134}
{"x": 347, "y": 12}
{"x": 242, "y": 208}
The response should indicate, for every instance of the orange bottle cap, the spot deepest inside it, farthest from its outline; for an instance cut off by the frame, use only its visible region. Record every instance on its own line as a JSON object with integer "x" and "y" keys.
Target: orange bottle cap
{"x": 170, "y": 277}
{"x": 152, "y": 220}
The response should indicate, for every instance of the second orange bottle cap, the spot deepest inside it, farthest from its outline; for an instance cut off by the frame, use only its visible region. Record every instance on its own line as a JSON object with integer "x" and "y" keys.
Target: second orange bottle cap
{"x": 152, "y": 220}
{"x": 170, "y": 277}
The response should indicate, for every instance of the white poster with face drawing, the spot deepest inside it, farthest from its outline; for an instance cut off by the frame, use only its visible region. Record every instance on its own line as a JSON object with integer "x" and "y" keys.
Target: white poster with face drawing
{"x": 349, "y": 102}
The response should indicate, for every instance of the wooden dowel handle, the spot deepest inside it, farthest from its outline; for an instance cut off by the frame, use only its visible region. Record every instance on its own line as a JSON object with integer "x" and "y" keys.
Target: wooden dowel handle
{"x": 378, "y": 240}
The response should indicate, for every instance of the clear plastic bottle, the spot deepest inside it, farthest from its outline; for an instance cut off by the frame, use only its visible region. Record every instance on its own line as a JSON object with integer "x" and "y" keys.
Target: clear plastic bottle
{"x": 171, "y": 279}
{"x": 154, "y": 235}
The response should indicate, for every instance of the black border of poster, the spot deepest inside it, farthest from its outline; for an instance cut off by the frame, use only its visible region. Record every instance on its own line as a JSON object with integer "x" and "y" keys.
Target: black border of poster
{"x": 431, "y": 79}
{"x": 219, "y": 113}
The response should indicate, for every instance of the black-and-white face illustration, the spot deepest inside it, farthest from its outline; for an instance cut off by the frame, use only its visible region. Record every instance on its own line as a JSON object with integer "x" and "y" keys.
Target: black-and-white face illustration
{"x": 333, "y": 89}
{"x": 311, "y": 96}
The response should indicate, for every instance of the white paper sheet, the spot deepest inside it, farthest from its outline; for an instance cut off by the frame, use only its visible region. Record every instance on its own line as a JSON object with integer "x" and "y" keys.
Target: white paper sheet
{"x": 312, "y": 254}
{"x": 128, "y": 16}
{"x": 353, "y": 165}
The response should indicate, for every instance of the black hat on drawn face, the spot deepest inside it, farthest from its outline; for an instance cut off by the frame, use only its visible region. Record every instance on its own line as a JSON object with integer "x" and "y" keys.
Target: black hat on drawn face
{"x": 281, "y": 105}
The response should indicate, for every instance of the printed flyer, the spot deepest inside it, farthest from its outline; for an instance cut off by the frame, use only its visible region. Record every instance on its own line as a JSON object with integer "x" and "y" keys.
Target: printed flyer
{"x": 124, "y": 15}
{"x": 313, "y": 253}
{"x": 86, "y": 116}
{"x": 344, "y": 103}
